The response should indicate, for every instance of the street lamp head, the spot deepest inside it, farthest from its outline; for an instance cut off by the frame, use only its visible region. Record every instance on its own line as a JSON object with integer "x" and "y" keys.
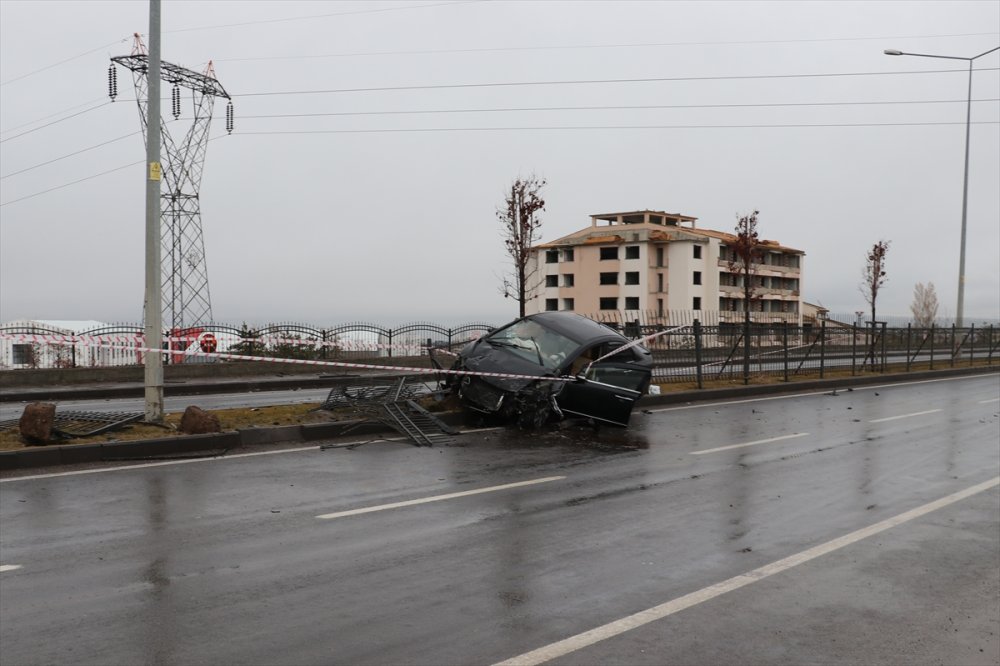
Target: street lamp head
{"x": 892, "y": 52}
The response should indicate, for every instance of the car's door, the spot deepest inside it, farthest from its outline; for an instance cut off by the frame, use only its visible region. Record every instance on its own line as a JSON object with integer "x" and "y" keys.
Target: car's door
{"x": 606, "y": 391}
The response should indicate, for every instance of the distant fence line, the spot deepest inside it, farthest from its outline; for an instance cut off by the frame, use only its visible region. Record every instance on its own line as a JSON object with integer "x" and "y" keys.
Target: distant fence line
{"x": 684, "y": 350}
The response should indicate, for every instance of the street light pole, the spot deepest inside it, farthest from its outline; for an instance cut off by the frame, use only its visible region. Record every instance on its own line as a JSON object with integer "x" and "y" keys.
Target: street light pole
{"x": 960, "y": 306}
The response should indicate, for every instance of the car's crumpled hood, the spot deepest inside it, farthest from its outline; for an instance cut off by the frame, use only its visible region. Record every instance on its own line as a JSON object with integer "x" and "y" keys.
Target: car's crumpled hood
{"x": 484, "y": 357}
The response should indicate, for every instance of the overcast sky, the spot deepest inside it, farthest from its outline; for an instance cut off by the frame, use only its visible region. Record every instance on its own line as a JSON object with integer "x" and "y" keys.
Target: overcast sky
{"x": 323, "y": 218}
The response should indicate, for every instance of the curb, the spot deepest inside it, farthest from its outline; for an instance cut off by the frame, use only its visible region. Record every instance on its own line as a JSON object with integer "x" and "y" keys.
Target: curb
{"x": 222, "y": 443}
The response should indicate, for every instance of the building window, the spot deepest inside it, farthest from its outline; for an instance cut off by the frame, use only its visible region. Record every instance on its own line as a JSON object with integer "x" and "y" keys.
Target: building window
{"x": 567, "y": 254}
{"x": 659, "y": 282}
{"x": 552, "y": 256}
{"x": 22, "y": 354}
{"x": 551, "y": 280}
{"x": 659, "y": 256}
{"x": 567, "y": 304}
{"x": 632, "y": 277}
{"x": 632, "y": 252}
{"x": 609, "y": 303}
{"x": 696, "y": 303}
{"x": 697, "y": 251}
{"x": 659, "y": 306}
{"x": 609, "y": 278}
{"x": 568, "y": 280}
{"x": 697, "y": 277}
{"x": 631, "y": 302}
{"x": 551, "y": 304}
{"x": 609, "y": 253}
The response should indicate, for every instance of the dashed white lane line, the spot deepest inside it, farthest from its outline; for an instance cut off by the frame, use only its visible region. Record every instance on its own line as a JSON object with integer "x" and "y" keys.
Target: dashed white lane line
{"x": 437, "y": 498}
{"x": 9, "y": 567}
{"x": 574, "y": 643}
{"x": 904, "y": 416}
{"x": 986, "y": 402}
{"x": 740, "y": 446}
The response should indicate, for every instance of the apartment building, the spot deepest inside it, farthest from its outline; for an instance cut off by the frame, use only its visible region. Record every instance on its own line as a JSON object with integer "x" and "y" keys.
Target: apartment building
{"x": 656, "y": 262}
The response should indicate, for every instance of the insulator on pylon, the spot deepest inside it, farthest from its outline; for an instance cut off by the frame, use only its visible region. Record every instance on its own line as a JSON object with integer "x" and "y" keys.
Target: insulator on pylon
{"x": 176, "y": 100}
{"x": 229, "y": 117}
{"x": 112, "y": 82}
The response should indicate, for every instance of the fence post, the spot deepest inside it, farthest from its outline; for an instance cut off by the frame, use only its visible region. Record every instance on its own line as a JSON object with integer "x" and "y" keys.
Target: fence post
{"x": 73, "y": 352}
{"x": 323, "y": 336}
{"x": 784, "y": 341}
{"x": 989, "y": 343}
{"x": 932, "y": 346}
{"x": 449, "y": 339}
{"x": 390, "y": 343}
{"x": 854, "y": 348}
{"x": 909, "y": 333}
{"x": 822, "y": 347}
{"x": 697, "y": 352}
{"x": 972, "y": 343}
{"x": 884, "y": 325}
{"x": 954, "y": 352}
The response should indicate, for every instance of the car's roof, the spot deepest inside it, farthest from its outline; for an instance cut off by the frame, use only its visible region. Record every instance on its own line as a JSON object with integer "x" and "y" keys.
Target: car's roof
{"x": 575, "y": 326}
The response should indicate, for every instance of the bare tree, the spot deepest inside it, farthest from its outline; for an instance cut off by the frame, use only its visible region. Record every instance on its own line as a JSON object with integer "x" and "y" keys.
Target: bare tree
{"x": 520, "y": 228}
{"x": 874, "y": 274}
{"x": 745, "y": 256}
{"x": 874, "y": 277}
{"x": 925, "y": 305}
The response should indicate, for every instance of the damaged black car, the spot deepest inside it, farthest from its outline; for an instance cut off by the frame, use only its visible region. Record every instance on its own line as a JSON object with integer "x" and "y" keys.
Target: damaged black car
{"x": 562, "y": 365}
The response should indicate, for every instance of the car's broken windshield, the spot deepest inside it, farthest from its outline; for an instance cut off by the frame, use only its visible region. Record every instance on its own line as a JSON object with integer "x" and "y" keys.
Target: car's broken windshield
{"x": 534, "y": 343}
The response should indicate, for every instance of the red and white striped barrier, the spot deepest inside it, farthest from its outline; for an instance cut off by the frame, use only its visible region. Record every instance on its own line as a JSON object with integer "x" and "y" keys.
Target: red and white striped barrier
{"x": 331, "y": 364}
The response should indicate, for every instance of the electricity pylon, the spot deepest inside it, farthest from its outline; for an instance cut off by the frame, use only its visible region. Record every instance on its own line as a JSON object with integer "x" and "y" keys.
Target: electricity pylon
{"x": 183, "y": 272}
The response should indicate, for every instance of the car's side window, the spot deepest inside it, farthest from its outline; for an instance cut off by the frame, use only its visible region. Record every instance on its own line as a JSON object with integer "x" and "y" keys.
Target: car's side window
{"x": 622, "y": 377}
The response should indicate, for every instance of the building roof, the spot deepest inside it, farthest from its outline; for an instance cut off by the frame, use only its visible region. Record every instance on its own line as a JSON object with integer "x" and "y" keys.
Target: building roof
{"x": 614, "y": 232}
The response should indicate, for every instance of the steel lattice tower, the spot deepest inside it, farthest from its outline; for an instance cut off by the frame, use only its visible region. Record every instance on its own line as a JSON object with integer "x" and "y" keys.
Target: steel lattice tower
{"x": 183, "y": 270}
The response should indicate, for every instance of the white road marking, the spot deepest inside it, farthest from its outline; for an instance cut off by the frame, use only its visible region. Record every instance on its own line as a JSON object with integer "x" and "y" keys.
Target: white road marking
{"x": 9, "y": 567}
{"x": 904, "y": 416}
{"x": 740, "y": 446}
{"x": 209, "y": 459}
{"x": 986, "y": 402}
{"x": 437, "y": 498}
{"x": 185, "y": 461}
{"x": 574, "y": 643}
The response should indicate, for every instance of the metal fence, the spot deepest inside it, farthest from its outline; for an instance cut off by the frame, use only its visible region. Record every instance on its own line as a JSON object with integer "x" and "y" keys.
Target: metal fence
{"x": 33, "y": 346}
{"x": 700, "y": 354}
{"x": 685, "y": 349}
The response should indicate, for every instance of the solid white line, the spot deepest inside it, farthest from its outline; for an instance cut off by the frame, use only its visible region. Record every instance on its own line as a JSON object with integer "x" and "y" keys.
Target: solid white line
{"x": 185, "y": 461}
{"x": 437, "y": 498}
{"x": 574, "y": 643}
{"x": 9, "y": 567}
{"x": 986, "y": 402}
{"x": 904, "y": 416}
{"x": 740, "y": 446}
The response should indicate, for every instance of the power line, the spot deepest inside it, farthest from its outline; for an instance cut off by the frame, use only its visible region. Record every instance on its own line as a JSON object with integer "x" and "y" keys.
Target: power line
{"x": 619, "y": 107}
{"x": 86, "y": 178}
{"x": 497, "y": 49}
{"x": 82, "y": 150}
{"x": 54, "y": 122}
{"x": 318, "y": 16}
{"x": 610, "y": 127}
{"x": 660, "y": 79}
{"x": 62, "y": 62}
{"x": 59, "y": 187}
{"x": 51, "y": 115}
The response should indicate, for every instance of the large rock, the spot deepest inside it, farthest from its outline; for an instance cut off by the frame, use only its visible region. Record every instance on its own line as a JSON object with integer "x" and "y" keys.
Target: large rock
{"x": 36, "y": 422}
{"x": 196, "y": 421}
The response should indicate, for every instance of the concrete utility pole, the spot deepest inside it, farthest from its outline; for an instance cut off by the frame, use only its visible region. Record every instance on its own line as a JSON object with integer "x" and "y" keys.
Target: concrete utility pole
{"x": 154, "y": 314}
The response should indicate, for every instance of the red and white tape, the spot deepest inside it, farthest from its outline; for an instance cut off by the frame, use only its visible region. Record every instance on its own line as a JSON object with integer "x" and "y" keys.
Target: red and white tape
{"x": 333, "y": 364}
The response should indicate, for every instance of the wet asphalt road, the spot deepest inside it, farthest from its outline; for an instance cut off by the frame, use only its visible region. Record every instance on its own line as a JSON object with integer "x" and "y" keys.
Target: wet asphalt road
{"x": 226, "y": 562}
